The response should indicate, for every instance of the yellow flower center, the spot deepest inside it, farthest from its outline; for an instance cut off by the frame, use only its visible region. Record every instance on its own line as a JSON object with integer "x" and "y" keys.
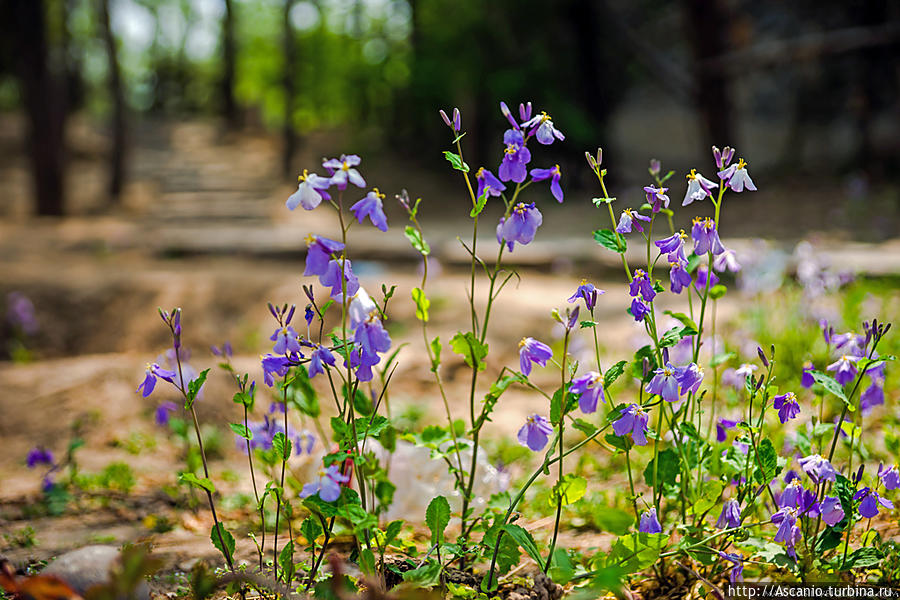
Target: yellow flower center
{"x": 584, "y": 282}
{"x": 555, "y": 170}
{"x": 741, "y": 164}
{"x": 639, "y": 274}
{"x": 510, "y": 149}
{"x": 520, "y": 208}
{"x": 698, "y": 220}
{"x": 523, "y": 342}
{"x": 544, "y": 116}
{"x": 345, "y": 166}
{"x": 692, "y": 175}
{"x": 480, "y": 173}
{"x": 377, "y": 193}
{"x": 303, "y": 177}
{"x": 310, "y": 239}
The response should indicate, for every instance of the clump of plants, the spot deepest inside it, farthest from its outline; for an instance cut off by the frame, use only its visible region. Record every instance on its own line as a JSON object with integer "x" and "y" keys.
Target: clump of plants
{"x": 714, "y": 492}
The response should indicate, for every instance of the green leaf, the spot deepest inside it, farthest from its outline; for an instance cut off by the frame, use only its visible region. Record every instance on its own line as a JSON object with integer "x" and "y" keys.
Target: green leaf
{"x": 767, "y": 467}
{"x": 722, "y": 358}
{"x": 479, "y": 204}
{"x": 561, "y": 568}
{"x": 637, "y": 551}
{"x": 219, "y": 534}
{"x": 568, "y": 490}
{"x": 392, "y": 531}
{"x": 437, "y": 517}
{"x": 613, "y": 373}
{"x": 301, "y": 394}
{"x": 426, "y": 576}
{"x": 194, "y": 388}
{"x": 472, "y": 350}
{"x": 610, "y": 240}
{"x": 241, "y": 430}
{"x": 675, "y": 335}
{"x": 863, "y": 557}
{"x": 456, "y": 161}
{"x": 202, "y": 483}
{"x": 422, "y": 304}
{"x": 282, "y": 445}
{"x": 436, "y": 354}
{"x": 830, "y": 385}
{"x": 683, "y": 319}
{"x": 286, "y": 560}
{"x": 709, "y": 495}
{"x": 637, "y": 365}
{"x": 584, "y": 427}
{"x": 418, "y": 242}
{"x": 525, "y": 540}
{"x": 586, "y": 324}
{"x": 668, "y": 470}
{"x": 311, "y": 530}
{"x": 243, "y": 398}
{"x": 367, "y": 562}
{"x": 612, "y": 520}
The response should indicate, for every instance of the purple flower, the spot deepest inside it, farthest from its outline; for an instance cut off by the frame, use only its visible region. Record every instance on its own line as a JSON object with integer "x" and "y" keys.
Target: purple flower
{"x": 309, "y": 315}
{"x": 791, "y": 494}
{"x": 786, "y": 519}
{"x": 342, "y": 171}
{"x": 533, "y": 351}
{"x": 641, "y": 284}
{"x": 286, "y": 340}
{"x": 318, "y": 254}
{"x": 456, "y": 123}
{"x": 673, "y": 246}
{"x": 679, "y": 278}
{"x": 730, "y": 516}
{"x": 657, "y": 198}
{"x": 332, "y": 278}
{"x": 737, "y": 571}
{"x": 832, "y": 511}
{"x": 639, "y": 310}
{"x": 706, "y": 238}
{"x": 504, "y": 109}
{"x": 274, "y": 364}
{"x": 371, "y": 338}
{"x": 722, "y": 425}
{"x": 371, "y": 206}
{"x": 163, "y": 412}
{"x": 699, "y": 187}
{"x": 787, "y": 406}
{"x": 310, "y": 192}
{"x": 889, "y": 476}
{"x": 153, "y": 372}
{"x": 868, "y": 508}
{"x": 542, "y": 128}
{"x": 487, "y": 181}
{"x": 38, "y": 456}
{"x": 327, "y": 484}
{"x": 515, "y": 157}
{"x": 520, "y": 226}
{"x": 525, "y": 112}
{"x": 225, "y": 350}
{"x": 700, "y": 281}
{"x": 737, "y": 178}
{"x": 873, "y": 396}
{"x": 689, "y": 378}
{"x": 534, "y": 433}
{"x": 817, "y": 467}
{"x": 845, "y": 368}
{"x": 20, "y": 313}
{"x": 726, "y": 261}
{"x": 361, "y": 307}
{"x": 649, "y": 522}
{"x": 589, "y": 387}
{"x": 320, "y": 356}
{"x": 664, "y": 383}
{"x": 722, "y": 157}
{"x": 553, "y": 174}
{"x": 588, "y": 293}
{"x": 806, "y": 380}
{"x": 631, "y": 219}
{"x": 634, "y": 421}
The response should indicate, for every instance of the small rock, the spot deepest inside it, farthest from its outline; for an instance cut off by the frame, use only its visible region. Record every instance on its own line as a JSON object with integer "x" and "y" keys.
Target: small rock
{"x": 90, "y": 566}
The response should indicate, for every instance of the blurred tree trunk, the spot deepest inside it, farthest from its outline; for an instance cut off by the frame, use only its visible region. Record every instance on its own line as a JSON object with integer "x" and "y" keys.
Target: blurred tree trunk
{"x": 117, "y": 95}
{"x": 289, "y": 136}
{"x": 706, "y": 30}
{"x": 44, "y": 103}
{"x": 229, "y": 104}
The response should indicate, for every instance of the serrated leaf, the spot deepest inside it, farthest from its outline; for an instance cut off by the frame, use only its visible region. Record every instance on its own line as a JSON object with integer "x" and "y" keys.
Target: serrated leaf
{"x": 610, "y": 240}
{"x": 437, "y": 517}
{"x": 311, "y": 530}
{"x": 479, "y": 204}
{"x": 767, "y": 462}
{"x": 241, "y": 430}
{"x": 613, "y": 373}
{"x": 200, "y": 482}
{"x": 218, "y": 534}
{"x": 568, "y": 490}
{"x": 282, "y": 445}
{"x": 637, "y": 551}
{"x": 456, "y": 161}
{"x": 422, "y": 304}
{"x": 675, "y": 335}
{"x": 586, "y": 324}
{"x": 863, "y": 557}
{"x": 392, "y": 531}
{"x": 472, "y": 350}
{"x": 830, "y": 385}
{"x": 683, "y": 319}
{"x": 426, "y": 576}
{"x": 286, "y": 561}
{"x": 194, "y": 387}
{"x": 525, "y": 540}
{"x": 418, "y": 242}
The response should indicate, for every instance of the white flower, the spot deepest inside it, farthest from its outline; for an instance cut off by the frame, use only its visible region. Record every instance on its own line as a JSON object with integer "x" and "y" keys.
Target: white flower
{"x": 698, "y": 187}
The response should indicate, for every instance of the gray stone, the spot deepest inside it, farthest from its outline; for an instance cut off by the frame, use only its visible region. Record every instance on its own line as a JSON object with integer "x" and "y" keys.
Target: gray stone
{"x": 89, "y": 566}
